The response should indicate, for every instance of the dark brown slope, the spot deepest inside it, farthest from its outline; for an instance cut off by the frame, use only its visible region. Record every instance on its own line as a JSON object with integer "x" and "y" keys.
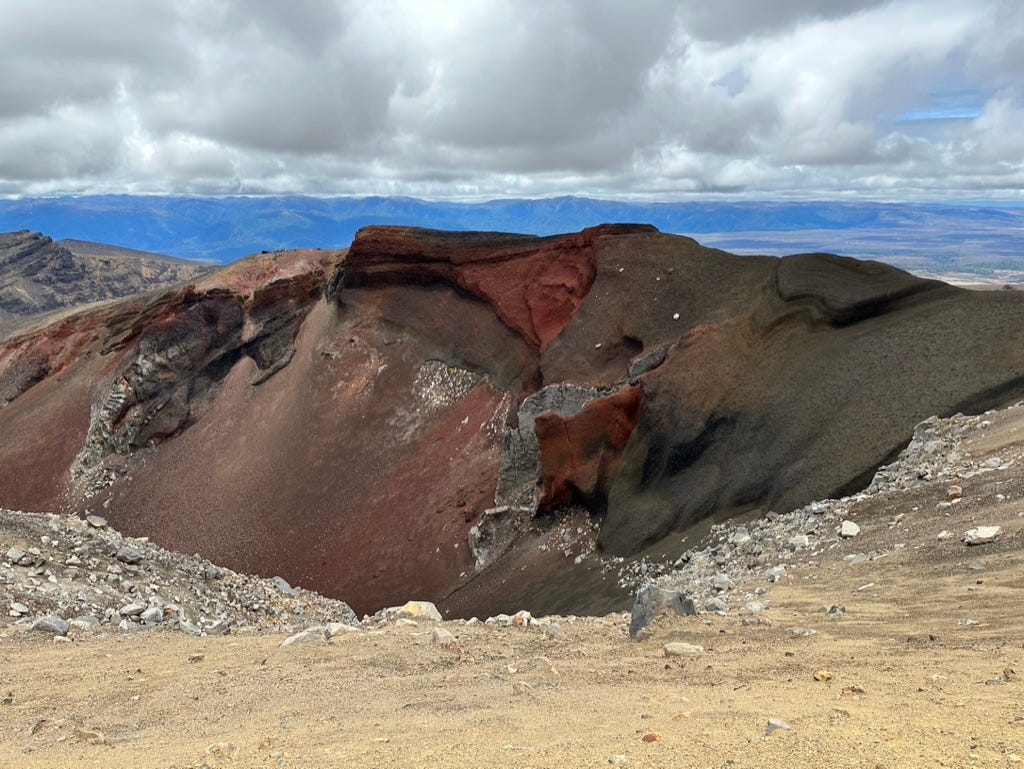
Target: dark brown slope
{"x": 39, "y": 276}
{"x": 405, "y": 419}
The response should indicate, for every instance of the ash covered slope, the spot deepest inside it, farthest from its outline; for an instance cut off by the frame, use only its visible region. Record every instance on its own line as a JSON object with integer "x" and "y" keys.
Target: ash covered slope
{"x": 405, "y": 419}
{"x": 38, "y": 275}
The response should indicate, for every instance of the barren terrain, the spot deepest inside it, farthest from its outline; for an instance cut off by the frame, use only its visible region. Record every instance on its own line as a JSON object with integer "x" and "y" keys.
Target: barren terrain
{"x": 923, "y": 669}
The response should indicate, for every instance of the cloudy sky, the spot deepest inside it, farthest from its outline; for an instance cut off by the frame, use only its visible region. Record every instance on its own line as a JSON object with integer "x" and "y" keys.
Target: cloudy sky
{"x": 477, "y": 99}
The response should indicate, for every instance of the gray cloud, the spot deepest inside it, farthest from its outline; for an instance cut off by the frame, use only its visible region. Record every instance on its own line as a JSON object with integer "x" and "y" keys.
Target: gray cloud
{"x": 487, "y": 98}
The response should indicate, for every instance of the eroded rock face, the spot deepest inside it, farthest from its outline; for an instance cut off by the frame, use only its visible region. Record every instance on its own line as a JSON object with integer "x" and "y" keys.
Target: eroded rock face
{"x": 424, "y": 415}
{"x": 39, "y": 276}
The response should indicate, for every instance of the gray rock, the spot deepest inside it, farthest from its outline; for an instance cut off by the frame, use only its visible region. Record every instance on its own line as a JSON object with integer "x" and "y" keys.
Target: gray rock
{"x": 18, "y": 608}
{"x": 284, "y": 587}
{"x": 799, "y": 542}
{"x": 220, "y": 627}
{"x": 133, "y": 609}
{"x": 316, "y": 635}
{"x": 152, "y": 615}
{"x": 849, "y": 529}
{"x": 14, "y": 555}
{"x": 775, "y": 725}
{"x": 721, "y": 582}
{"x": 977, "y": 564}
{"x": 716, "y": 605}
{"x": 187, "y": 627}
{"x": 982, "y": 535}
{"x": 52, "y": 625}
{"x": 129, "y": 554}
{"x": 87, "y": 623}
{"x": 651, "y": 601}
{"x": 801, "y": 631}
{"x": 96, "y": 521}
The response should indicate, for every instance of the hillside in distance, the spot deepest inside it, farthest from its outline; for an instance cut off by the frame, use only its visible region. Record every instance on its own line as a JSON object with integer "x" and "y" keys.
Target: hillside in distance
{"x": 38, "y": 276}
{"x": 937, "y": 238}
{"x": 426, "y": 413}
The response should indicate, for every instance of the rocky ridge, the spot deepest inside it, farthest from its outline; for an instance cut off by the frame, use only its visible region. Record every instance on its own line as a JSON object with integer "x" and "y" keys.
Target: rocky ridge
{"x": 38, "y": 275}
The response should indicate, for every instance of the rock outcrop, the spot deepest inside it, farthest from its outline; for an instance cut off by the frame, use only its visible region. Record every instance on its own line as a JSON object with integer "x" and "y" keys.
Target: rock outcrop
{"x": 486, "y": 420}
{"x": 38, "y": 276}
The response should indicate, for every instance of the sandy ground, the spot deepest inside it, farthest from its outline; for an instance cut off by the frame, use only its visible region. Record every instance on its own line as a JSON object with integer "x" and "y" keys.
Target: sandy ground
{"x": 927, "y": 670}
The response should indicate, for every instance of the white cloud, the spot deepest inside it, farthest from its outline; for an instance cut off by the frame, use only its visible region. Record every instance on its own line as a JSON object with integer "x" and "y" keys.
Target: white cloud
{"x": 513, "y": 97}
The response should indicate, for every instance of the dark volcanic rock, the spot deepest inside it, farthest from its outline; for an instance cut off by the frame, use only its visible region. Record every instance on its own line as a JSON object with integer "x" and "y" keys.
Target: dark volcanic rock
{"x": 430, "y": 426}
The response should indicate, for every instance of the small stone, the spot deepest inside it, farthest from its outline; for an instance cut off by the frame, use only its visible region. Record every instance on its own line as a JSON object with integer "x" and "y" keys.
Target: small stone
{"x": 282, "y": 584}
{"x": 849, "y": 529}
{"x": 835, "y": 612}
{"x": 982, "y": 535}
{"x": 799, "y": 542}
{"x": 754, "y": 607}
{"x": 954, "y": 493}
{"x": 824, "y": 675}
{"x": 419, "y": 610}
{"x": 18, "y": 609}
{"x": 129, "y": 554}
{"x": 14, "y": 555}
{"x": 651, "y": 737}
{"x": 740, "y": 537}
{"x": 679, "y": 648}
{"x": 977, "y": 564}
{"x": 775, "y": 725}
{"x": 721, "y": 582}
{"x": 53, "y": 625}
{"x": 96, "y": 521}
{"x": 944, "y": 535}
{"x": 187, "y": 627}
{"x": 152, "y": 615}
{"x": 651, "y": 601}
{"x": 800, "y": 631}
{"x": 311, "y": 635}
{"x": 133, "y": 609}
{"x": 86, "y": 623}
{"x": 443, "y": 638}
{"x": 220, "y": 627}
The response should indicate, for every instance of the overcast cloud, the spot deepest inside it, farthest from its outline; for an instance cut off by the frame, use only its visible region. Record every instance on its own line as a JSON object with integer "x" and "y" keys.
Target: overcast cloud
{"x": 495, "y": 98}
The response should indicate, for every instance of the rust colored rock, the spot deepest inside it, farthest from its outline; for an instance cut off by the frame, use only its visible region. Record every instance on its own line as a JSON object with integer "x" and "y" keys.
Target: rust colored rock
{"x": 535, "y": 285}
{"x": 578, "y": 453}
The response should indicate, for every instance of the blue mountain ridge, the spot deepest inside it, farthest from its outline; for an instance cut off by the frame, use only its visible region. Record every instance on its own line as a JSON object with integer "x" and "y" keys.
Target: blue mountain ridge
{"x": 964, "y": 236}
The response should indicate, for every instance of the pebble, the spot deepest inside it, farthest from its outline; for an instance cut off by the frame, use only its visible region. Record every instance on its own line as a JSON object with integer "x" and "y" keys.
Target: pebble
{"x": 18, "y": 609}
{"x": 982, "y": 535}
{"x": 944, "y": 535}
{"x": 848, "y": 529}
{"x": 443, "y": 638}
{"x": 96, "y": 521}
{"x": 800, "y": 631}
{"x": 679, "y": 648}
{"x": 775, "y": 725}
{"x": 316, "y": 635}
{"x": 129, "y": 554}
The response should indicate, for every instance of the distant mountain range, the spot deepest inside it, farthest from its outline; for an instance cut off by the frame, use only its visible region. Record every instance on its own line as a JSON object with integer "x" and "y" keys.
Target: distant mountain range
{"x": 928, "y": 237}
